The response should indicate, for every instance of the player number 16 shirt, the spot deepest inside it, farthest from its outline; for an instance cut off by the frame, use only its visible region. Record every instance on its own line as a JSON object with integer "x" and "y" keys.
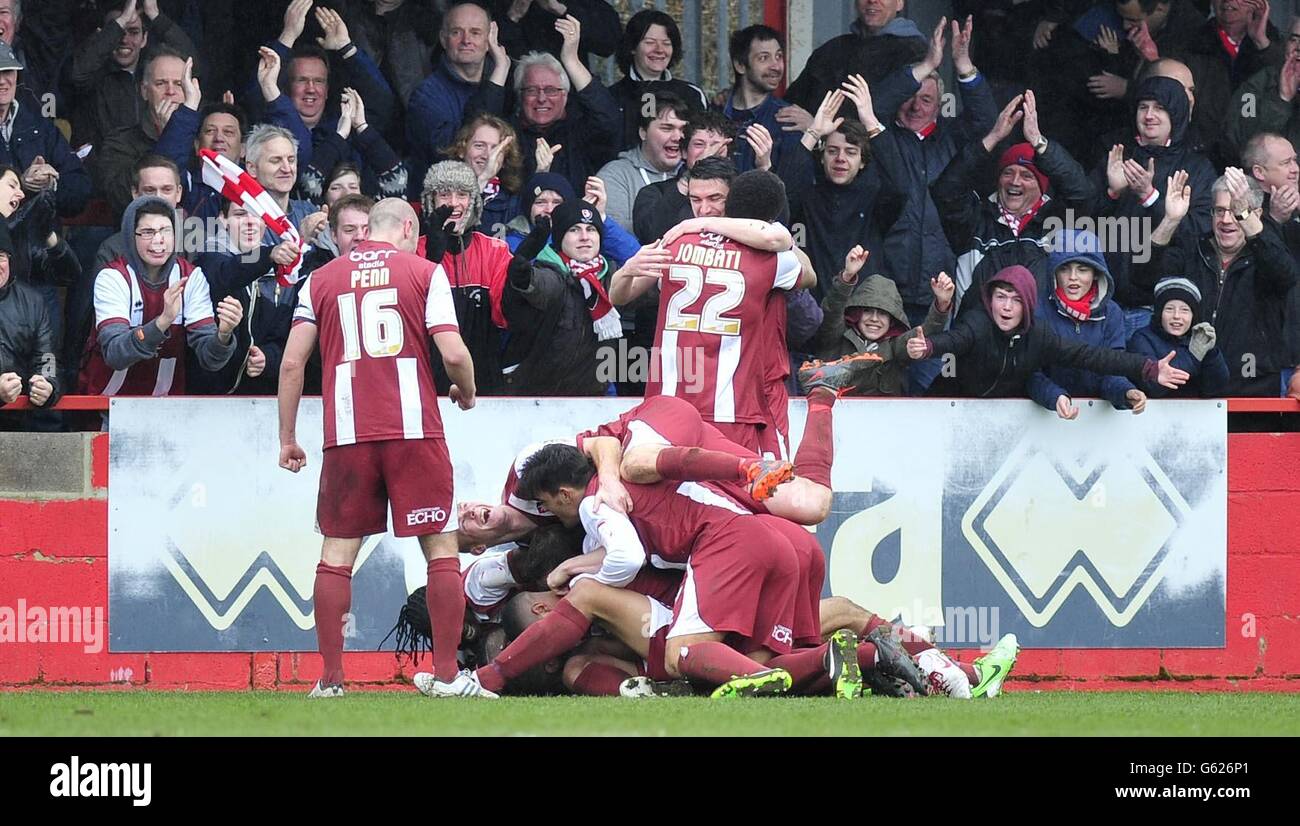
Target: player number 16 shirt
{"x": 374, "y": 310}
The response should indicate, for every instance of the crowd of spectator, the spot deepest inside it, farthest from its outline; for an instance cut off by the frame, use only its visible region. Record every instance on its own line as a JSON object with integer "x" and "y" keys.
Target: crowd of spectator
{"x": 1020, "y": 187}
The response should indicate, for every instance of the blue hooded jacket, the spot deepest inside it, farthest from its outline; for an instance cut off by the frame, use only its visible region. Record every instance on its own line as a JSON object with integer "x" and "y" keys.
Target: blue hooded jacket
{"x": 1103, "y": 328}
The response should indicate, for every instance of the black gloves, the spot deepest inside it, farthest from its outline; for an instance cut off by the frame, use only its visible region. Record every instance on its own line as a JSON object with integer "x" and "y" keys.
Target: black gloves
{"x": 532, "y": 246}
{"x": 436, "y": 235}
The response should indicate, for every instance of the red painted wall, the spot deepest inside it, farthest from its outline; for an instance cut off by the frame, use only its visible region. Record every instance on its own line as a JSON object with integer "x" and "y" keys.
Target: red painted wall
{"x": 55, "y": 553}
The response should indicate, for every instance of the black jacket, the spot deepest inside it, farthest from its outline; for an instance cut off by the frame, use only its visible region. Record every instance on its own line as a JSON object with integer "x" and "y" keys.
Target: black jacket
{"x": 27, "y": 345}
{"x": 35, "y": 135}
{"x": 552, "y": 347}
{"x": 33, "y": 261}
{"x": 268, "y": 314}
{"x": 630, "y": 93}
{"x": 915, "y": 249}
{"x": 991, "y": 364}
{"x": 1216, "y": 76}
{"x": 982, "y": 240}
{"x": 590, "y": 130}
{"x": 834, "y": 217}
{"x": 871, "y": 55}
{"x": 1246, "y": 303}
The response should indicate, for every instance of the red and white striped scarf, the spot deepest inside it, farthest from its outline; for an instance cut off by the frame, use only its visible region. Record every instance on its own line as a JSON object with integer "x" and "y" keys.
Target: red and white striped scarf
{"x": 234, "y": 184}
{"x": 605, "y": 320}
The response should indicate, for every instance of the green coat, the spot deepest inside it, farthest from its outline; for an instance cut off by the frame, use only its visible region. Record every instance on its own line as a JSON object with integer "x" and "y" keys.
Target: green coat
{"x": 835, "y": 339}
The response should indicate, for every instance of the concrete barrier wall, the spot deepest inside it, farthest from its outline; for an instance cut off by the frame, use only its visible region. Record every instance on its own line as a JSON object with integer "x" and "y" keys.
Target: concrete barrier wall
{"x": 53, "y": 552}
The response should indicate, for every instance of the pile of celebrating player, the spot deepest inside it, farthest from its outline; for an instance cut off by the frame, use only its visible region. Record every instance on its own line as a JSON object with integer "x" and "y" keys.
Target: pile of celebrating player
{"x": 662, "y": 553}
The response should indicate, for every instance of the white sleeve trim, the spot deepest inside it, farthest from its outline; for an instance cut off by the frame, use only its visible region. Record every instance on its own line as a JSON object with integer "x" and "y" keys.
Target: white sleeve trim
{"x": 788, "y": 270}
{"x": 624, "y": 553}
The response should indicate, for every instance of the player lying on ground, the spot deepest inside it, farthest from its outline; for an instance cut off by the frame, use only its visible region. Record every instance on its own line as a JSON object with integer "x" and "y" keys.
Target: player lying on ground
{"x": 742, "y": 576}
{"x": 638, "y": 617}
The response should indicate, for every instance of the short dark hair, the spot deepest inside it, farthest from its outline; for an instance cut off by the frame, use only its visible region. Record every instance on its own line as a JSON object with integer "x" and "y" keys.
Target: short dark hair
{"x": 6, "y": 168}
{"x": 553, "y": 467}
{"x": 664, "y": 102}
{"x": 637, "y": 27}
{"x": 355, "y": 200}
{"x": 713, "y": 169}
{"x": 304, "y": 52}
{"x": 855, "y": 133}
{"x": 1147, "y": 6}
{"x": 155, "y": 207}
{"x": 223, "y": 108}
{"x": 547, "y": 547}
{"x": 153, "y": 161}
{"x": 710, "y": 121}
{"x": 743, "y": 39}
{"x": 756, "y": 194}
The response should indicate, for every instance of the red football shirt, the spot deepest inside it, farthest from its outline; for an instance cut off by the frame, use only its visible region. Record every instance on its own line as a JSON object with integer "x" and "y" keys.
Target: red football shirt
{"x": 712, "y": 340}
{"x": 375, "y": 310}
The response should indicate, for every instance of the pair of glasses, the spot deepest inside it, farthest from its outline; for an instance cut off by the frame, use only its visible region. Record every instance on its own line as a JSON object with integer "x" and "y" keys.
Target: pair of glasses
{"x": 150, "y": 234}
{"x": 542, "y": 91}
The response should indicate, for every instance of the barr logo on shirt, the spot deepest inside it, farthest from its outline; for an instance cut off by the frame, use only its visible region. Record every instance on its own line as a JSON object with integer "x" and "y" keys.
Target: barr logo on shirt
{"x": 424, "y": 516}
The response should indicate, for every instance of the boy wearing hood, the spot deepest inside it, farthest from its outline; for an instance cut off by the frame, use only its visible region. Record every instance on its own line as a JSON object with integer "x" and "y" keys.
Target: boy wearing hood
{"x": 998, "y": 351}
{"x": 868, "y": 317}
{"x": 1080, "y": 308}
{"x": 1177, "y": 325}
{"x": 557, "y": 307}
{"x": 150, "y": 305}
{"x": 1131, "y": 183}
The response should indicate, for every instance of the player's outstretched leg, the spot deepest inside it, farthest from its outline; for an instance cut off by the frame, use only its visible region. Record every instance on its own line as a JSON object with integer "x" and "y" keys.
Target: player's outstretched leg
{"x": 695, "y": 464}
{"x": 994, "y": 667}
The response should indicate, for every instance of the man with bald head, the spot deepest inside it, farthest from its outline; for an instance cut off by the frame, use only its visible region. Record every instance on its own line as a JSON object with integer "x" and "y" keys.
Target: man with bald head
{"x": 372, "y": 310}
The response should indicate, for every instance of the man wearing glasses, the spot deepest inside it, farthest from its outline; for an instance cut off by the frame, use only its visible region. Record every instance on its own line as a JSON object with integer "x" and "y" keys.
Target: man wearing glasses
{"x": 582, "y": 137}
{"x": 150, "y": 305}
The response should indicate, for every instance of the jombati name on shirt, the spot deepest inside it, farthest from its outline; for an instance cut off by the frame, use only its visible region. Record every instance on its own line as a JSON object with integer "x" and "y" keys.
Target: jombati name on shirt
{"x": 702, "y": 257}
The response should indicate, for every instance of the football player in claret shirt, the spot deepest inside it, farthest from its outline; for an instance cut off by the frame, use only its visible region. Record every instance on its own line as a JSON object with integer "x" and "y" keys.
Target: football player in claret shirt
{"x": 372, "y": 310}
{"x": 718, "y": 334}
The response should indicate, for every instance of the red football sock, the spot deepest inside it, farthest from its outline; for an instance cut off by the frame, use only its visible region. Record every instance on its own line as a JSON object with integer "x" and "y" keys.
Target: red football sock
{"x": 599, "y": 680}
{"x": 866, "y": 656}
{"x": 969, "y": 671}
{"x": 331, "y": 599}
{"x": 714, "y": 663}
{"x": 816, "y": 451}
{"x": 554, "y": 634}
{"x": 695, "y": 464}
{"x": 804, "y": 665}
{"x": 445, "y": 598}
{"x": 821, "y": 397}
{"x": 873, "y": 622}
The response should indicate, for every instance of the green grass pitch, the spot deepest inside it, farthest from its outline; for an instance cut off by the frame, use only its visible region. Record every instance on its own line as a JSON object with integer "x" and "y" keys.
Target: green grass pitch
{"x": 144, "y": 713}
